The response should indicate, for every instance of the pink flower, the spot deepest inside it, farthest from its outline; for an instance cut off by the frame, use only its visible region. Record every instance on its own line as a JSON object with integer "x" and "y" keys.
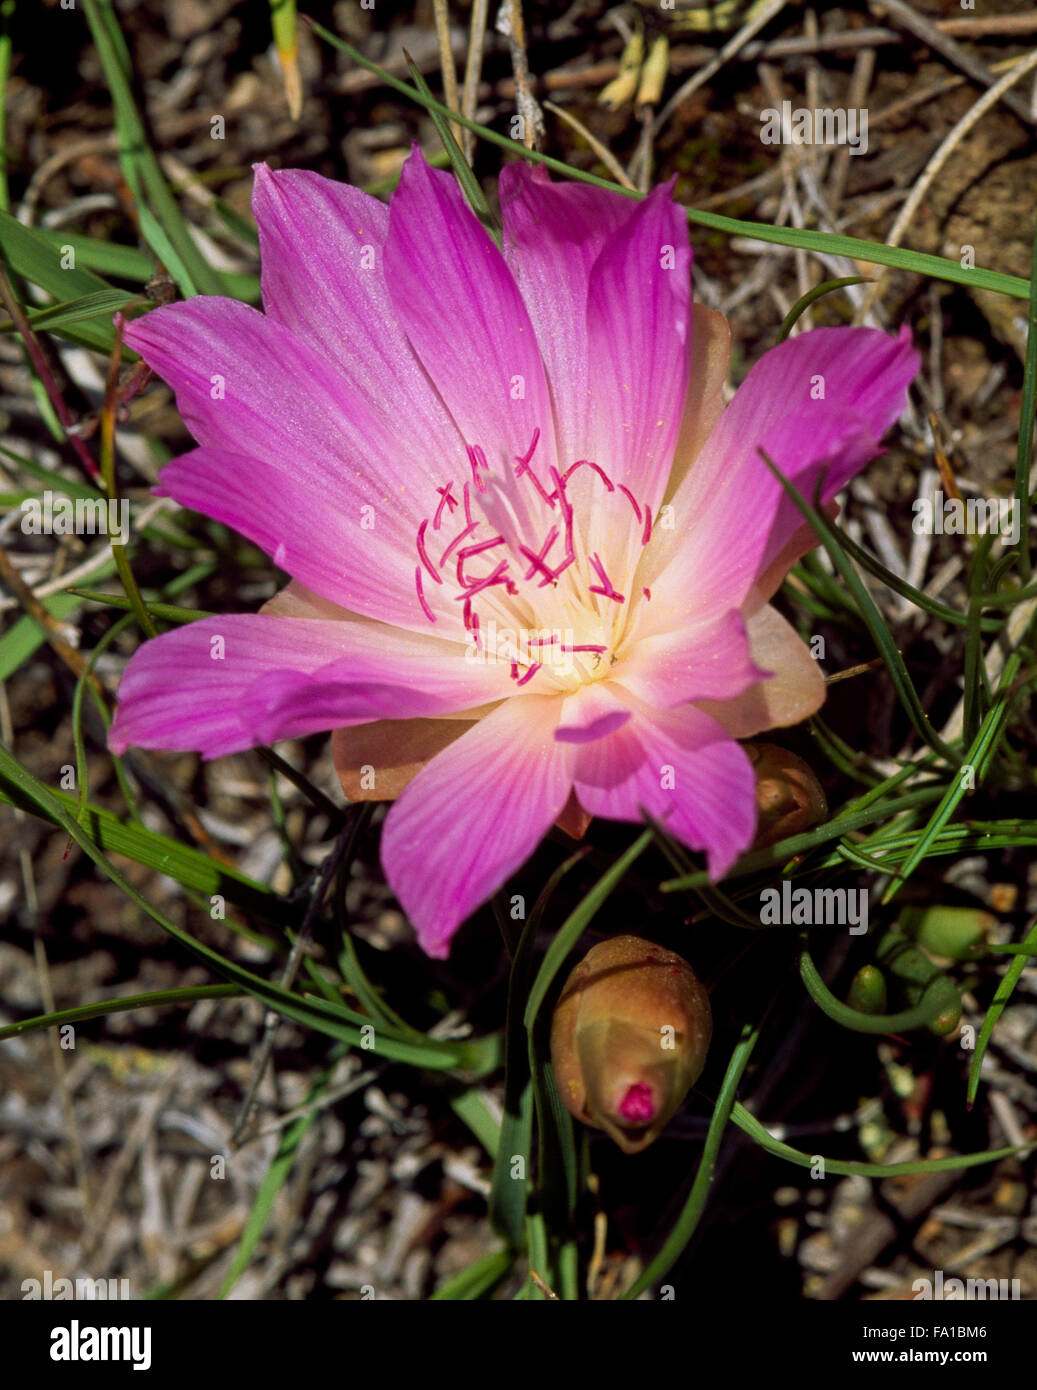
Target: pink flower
{"x": 474, "y": 464}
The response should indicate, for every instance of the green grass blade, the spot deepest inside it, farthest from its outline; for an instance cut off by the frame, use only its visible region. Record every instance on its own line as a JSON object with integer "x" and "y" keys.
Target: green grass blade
{"x": 839, "y": 1167}
{"x": 462, "y": 169}
{"x": 155, "y": 1000}
{"x": 686, "y": 1223}
{"x": 575, "y": 924}
{"x": 1027, "y": 407}
{"x": 873, "y": 620}
{"x": 997, "y": 1007}
{"x": 140, "y": 164}
{"x": 811, "y": 297}
{"x": 829, "y": 243}
{"x": 924, "y": 1012}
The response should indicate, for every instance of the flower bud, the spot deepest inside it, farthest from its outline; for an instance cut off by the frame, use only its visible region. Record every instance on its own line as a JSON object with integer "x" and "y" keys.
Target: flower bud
{"x": 868, "y": 991}
{"x": 628, "y": 1038}
{"x": 789, "y": 798}
{"x": 955, "y": 933}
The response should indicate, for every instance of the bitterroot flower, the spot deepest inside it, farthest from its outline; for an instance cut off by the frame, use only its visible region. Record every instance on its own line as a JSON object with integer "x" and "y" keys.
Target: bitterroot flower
{"x": 530, "y": 550}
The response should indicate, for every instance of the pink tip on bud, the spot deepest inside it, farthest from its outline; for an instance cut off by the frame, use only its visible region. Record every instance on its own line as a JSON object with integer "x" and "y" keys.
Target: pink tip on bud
{"x": 638, "y": 1105}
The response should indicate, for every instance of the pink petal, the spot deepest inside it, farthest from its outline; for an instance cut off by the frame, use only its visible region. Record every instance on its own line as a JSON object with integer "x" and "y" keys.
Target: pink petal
{"x": 732, "y": 519}
{"x": 704, "y": 405}
{"x": 471, "y": 817}
{"x": 590, "y": 713}
{"x": 286, "y": 677}
{"x": 682, "y": 768}
{"x": 285, "y": 408}
{"x": 638, "y": 336}
{"x": 322, "y": 250}
{"x": 311, "y": 535}
{"x": 793, "y": 693}
{"x": 462, "y": 311}
{"x": 553, "y": 233}
{"x": 687, "y": 657}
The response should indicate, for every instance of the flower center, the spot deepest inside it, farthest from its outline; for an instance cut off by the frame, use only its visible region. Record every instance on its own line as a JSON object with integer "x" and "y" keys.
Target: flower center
{"x": 638, "y": 1105}
{"x": 540, "y": 572}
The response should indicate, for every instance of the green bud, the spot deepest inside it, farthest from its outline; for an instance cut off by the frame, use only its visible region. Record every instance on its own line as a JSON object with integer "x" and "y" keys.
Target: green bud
{"x": 868, "y": 991}
{"x": 958, "y": 933}
{"x": 920, "y": 978}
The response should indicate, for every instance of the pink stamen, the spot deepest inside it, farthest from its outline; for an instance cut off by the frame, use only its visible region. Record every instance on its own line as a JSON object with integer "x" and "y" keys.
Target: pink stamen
{"x": 491, "y": 579}
{"x": 587, "y": 463}
{"x": 529, "y": 674}
{"x": 457, "y": 540}
{"x": 462, "y": 556}
{"x": 477, "y": 459}
{"x": 646, "y": 534}
{"x": 446, "y": 499}
{"x": 536, "y": 563}
{"x": 570, "y": 559}
{"x": 559, "y": 492}
{"x": 537, "y": 560}
{"x": 424, "y": 553}
{"x": 523, "y": 462}
{"x": 567, "y": 516}
{"x": 421, "y": 595}
{"x": 638, "y": 1105}
{"x": 523, "y": 469}
{"x": 607, "y": 591}
{"x": 587, "y": 649}
{"x": 631, "y": 499}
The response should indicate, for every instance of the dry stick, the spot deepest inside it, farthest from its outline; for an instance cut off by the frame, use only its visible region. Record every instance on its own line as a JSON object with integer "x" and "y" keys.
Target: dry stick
{"x": 472, "y": 71}
{"x": 936, "y": 163}
{"x": 728, "y": 51}
{"x": 691, "y": 56}
{"x": 763, "y": 182}
{"x": 860, "y": 83}
{"x": 39, "y": 361}
{"x": 959, "y": 57}
{"x": 43, "y": 975}
{"x": 328, "y": 870}
{"x": 649, "y": 92}
{"x": 53, "y": 630}
{"x": 88, "y": 566}
{"x": 446, "y": 62}
{"x": 511, "y": 24}
{"x": 791, "y": 156}
{"x": 120, "y": 1170}
{"x": 606, "y": 156}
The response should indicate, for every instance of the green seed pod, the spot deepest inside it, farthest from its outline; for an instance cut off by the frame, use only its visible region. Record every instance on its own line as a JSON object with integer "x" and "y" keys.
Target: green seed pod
{"x": 920, "y": 979}
{"x": 629, "y": 1037}
{"x": 958, "y": 933}
{"x": 868, "y": 991}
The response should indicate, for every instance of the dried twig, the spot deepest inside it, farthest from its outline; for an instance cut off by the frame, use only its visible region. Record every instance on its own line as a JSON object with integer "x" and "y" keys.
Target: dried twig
{"x": 939, "y": 158}
{"x": 511, "y": 24}
{"x": 446, "y": 61}
{"x": 941, "y": 42}
{"x": 472, "y": 71}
